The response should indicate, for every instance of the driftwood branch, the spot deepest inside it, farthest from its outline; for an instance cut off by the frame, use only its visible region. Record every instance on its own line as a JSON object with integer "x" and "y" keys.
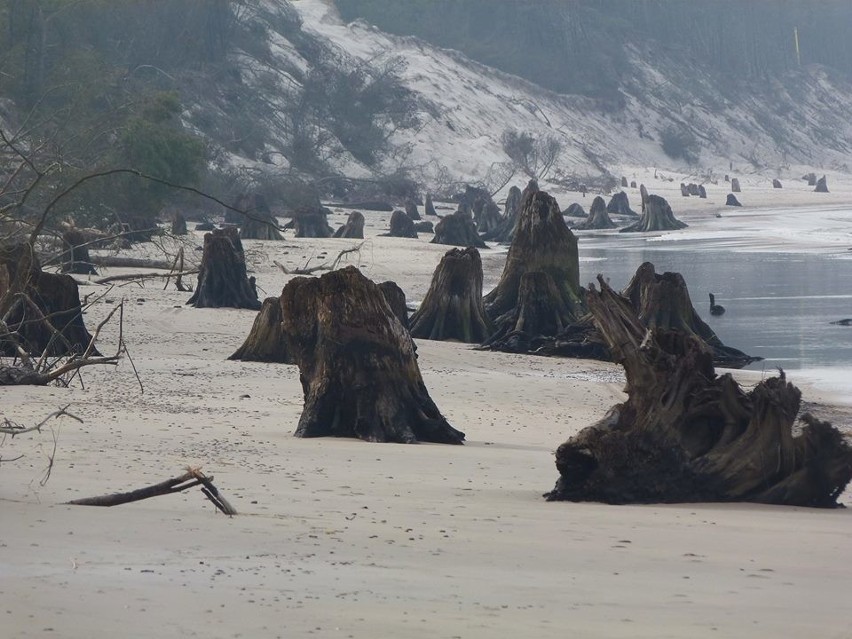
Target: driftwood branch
{"x": 325, "y": 266}
{"x": 8, "y": 427}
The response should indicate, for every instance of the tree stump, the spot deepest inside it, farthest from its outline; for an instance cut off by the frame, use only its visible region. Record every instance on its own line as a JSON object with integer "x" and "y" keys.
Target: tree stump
{"x": 776, "y": 183}
{"x": 222, "y": 279}
{"x": 623, "y": 182}
{"x": 354, "y": 227}
{"x": 178, "y": 224}
{"x": 643, "y": 196}
{"x": 702, "y": 192}
{"x": 401, "y": 226}
{"x": 452, "y": 308}
{"x": 810, "y": 178}
{"x": 657, "y": 215}
{"x": 598, "y": 217}
{"x": 411, "y": 211}
{"x": 735, "y": 185}
{"x": 258, "y": 223}
{"x": 311, "y": 221}
{"x": 575, "y": 210}
{"x": 429, "y": 207}
{"x": 543, "y": 243}
{"x": 266, "y": 341}
{"x": 732, "y": 200}
{"x": 821, "y": 185}
{"x": 633, "y": 184}
{"x": 424, "y": 226}
{"x": 619, "y": 204}
{"x": 42, "y": 310}
{"x": 457, "y": 230}
{"x": 75, "y": 257}
{"x": 395, "y": 297}
{"x": 684, "y": 190}
{"x": 488, "y": 217}
{"x": 686, "y": 435}
{"x": 506, "y": 231}
{"x": 357, "y": 364}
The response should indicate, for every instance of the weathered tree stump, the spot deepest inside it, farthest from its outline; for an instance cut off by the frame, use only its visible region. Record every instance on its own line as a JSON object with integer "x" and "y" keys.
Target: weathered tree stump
{"x": 623, "y": 181}
{"x": 354, "y": 227}
{"x": 543, "y": 243}
{"x": 429, "y": 207}
{"x": 643, "y": 196}
{"x": 575, "y": 209}
{"x": 684, "y": 190}
{"x": 395, "y": 297}
{"x": 411, "y": 211}
{"x": 178, "y": 224}
{"x": 205, "y": 226}
{"x": 258, "y": 223}
{"x": 633, "y": 184}
{"x": 735, "y": 185}
{"x": 457, "y": 230}
{"x": 657, "y": 215}
{"x": 42, "y": 310}
{"x": 702, "y": 192}
{"x": 821, "y": 185}
{"x": 311, "y": 221}
{"x": 776, "y": 184}
{"x": 598, "y": 217}
{"x": 693, "y": 189}
{"x": 486, "y": 216}
{"x": 222, "y": 279}
{"x": 75, "y": 257}
{"x": 357, "y": 364}
{"x": 686, "y": 435}
{"x": 732, "y": 200}
{"x": 452, "y": 308}
{"x": 619, "y": 204}
{"x": 810, "y": 178}
{"x": 266, "y": 341}
{"x": 506, "y": 231}
{"x": 401, "y": 226}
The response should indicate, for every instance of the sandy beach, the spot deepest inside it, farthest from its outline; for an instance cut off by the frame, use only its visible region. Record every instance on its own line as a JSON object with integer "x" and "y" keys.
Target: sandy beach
{"x": 341, "y": 538}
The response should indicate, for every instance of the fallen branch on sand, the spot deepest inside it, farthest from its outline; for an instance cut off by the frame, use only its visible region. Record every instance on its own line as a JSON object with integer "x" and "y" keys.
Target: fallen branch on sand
{"x": 191, "y": 478}
{"x": 132, "y": 277}
{"x": 325, "y": 266}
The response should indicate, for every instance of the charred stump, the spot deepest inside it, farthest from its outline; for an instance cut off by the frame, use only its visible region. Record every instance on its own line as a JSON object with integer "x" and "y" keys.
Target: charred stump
{"x": 543, "y": 244}
{"x": 429, "y": 207}
{"x": 357, "y": 364}
{"x": 411, "y": 211}
{"x": 686, "y": 435}
{"x": 657, "y": 215}
{"x": 354, "y": 227}
{"x": 457, "y": 230}
{"x": 222, "y": 279}
{"x": 311, "y": 221}
{"x": 821, "y": 185}
{"x": 42, "y": 310}
{"x": 266, "y": 341}
{"x": 178, "y": 224}
{"x": 619, "y": 204}
{"x": 732, "y": 200}
{"x": 401, "y": 226}
{"x": 75, "y": 257}
{"x": 452, "y": 308}
{"x": 598, "y": 217}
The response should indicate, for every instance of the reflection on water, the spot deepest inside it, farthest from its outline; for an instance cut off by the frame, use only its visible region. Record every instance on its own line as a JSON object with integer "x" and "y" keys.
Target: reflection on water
{"x": 779, "y": 306}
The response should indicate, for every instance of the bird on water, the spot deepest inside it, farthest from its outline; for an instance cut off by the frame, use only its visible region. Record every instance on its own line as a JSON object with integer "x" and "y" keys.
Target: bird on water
{"x": 715, "y": 309}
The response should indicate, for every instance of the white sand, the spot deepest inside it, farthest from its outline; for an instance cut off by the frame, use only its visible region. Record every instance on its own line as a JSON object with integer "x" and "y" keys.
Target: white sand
{"x": 340, "y": 538}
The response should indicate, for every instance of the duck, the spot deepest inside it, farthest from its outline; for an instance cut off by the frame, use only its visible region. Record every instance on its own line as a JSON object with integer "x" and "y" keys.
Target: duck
{"x": 715, "y": 309}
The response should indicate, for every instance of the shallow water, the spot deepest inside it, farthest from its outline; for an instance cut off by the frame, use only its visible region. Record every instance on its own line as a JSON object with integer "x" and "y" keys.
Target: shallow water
{"x": 779, "y": 306}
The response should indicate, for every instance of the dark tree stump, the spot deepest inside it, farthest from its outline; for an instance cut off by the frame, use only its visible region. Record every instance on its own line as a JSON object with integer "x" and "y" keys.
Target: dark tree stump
{"x": 205, "y": 226}
{"x": 75, "y": 257}
{"x": 452, "y": 308}
{"x": 633, "y": 184}
{"x": 53, "y": 322}
{"x": 810, "y": 178}
{"x": 311, "y": 221}
{"x": 821, "y": 185}
{"x": 643, "y": 197}
{"x": 357, "y": 364}
{"x": 424, "y": 227}
{"x": 401, "y": 226}
{"x": 598, "y": 217}
{"x": 657, "y": 215}
{"x": 178, "y": 224}
{"x": 575, "y": 210}
{"x": 457, "y": 230}
{"x": 488, "y": 219}
{"x": 411, "y": 211}
{"x": 686, "y": 435}
{"x": 266, "y": 341}
{"x": 735, "y": 185}
{"x": 258, "y": 223}
{"x": 692, "y": 187}
{"x": 776, "y": 184}
{"x": 619, "y": 204}
{"x": 506, "y": 230}
{"x": 395, "y": 297}
{"x": 727, "y": 178}
{"x": 732, "y": 200}
{"x": 684, "y": 190}
{"x": 623, "y": 182}
{"x": 543, "y": 243}
{"x": 354, "y": 227}
{"x": 429, "y": 207}
{"x": 222, "y": 279}
{"x": 702, "y": 192}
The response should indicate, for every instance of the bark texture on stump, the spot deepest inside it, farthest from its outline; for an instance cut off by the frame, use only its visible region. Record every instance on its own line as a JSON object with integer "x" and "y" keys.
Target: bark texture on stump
{"x": 266, "y": 341}
{"x": 178, "y": 224}
{"x": 657, "y": 215}
{"x": 457, "y": 229}
{"x": 357, "y": 364}
{"x": 354, "y": 227}
{"x": 452, "y": 308}
{"x": 598, "y": 217}
{"x": 821, "y": 185}
{"x": 54, "y": 321}
{"x": 401, "y": 226}
{"x": 543, "y": 243}
{"x": 429, "y": 207}
{"x": 686, "y": 435}
{"x": 75, "y": 258}
{"x": 311, "y": 222}
{"x": 222, "y": 279}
